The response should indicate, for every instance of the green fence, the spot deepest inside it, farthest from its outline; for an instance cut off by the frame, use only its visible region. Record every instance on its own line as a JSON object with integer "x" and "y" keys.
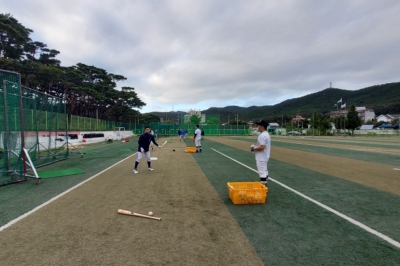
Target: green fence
{"x": 45, "y": 121}
{"x": 209, "y": 130}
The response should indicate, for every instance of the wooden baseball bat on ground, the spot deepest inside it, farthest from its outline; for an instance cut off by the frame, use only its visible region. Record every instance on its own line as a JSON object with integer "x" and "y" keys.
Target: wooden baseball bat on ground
{"x": 138, "y": 215}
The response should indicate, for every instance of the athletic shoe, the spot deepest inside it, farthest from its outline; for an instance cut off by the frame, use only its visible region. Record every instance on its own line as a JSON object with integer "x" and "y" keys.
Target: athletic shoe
{"x": 151, "y": 169}
{"x": 264, "y": 180}
{"x": 135, "y": 171}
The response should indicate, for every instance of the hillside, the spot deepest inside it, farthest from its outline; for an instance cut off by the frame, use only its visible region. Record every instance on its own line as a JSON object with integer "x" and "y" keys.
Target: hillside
{"x": 383, "y": 99}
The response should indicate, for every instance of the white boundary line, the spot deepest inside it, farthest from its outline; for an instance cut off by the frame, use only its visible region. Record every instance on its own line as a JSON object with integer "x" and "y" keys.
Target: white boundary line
{"x": 351, "y": 220}
{"x": 338, "y": 147}
{"x": 14, "y": 221}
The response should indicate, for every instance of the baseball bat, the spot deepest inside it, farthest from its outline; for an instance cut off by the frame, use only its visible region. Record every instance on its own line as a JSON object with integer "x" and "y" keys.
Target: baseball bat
{"x": 138, "y": 215}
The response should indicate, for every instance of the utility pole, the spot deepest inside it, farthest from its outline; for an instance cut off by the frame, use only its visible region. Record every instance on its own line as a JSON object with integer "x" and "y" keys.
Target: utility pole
{"x": 237, "y": 123}
{"x": 97, "y": 118}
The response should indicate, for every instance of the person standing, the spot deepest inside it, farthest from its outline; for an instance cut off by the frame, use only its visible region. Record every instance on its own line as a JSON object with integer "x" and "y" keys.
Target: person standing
{"x": 179, "y": 134}
{"x": 184, "y": 134}
{"x": 262, "y": 151}
{"x": 143, "y": 148}
{"x": 202, "y": 133}
{"x": 197, "y": 139}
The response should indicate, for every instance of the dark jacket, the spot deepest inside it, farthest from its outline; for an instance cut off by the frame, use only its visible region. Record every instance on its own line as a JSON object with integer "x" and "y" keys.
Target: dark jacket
{"x": 145, "y": 140}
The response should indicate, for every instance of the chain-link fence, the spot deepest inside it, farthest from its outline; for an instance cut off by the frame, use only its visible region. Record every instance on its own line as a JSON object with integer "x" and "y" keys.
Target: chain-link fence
{"x": 209, "y": 130}
{"x": 33, "y": 129}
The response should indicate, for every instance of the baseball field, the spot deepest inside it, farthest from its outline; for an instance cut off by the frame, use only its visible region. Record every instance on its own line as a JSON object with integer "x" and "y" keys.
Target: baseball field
{"x": 331, "y": 201}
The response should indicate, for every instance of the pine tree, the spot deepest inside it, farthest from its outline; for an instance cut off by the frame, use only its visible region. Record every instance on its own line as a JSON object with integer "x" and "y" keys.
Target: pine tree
{"x": 353, "y": 121}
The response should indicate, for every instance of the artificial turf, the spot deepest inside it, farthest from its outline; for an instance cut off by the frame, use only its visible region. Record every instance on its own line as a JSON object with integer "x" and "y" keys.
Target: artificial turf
{"x": 290, "y": 230}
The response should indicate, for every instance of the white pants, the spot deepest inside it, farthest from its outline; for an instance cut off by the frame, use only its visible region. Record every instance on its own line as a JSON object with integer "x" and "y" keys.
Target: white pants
{"x": 262, "y": 168}
{"x": 197, "y": 142}
{"x": 139, "y": 156}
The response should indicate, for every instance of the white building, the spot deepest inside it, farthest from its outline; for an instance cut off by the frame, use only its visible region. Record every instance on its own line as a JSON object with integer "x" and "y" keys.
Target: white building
{"x": 365, "y": 114}
{"x": 387, "y": 118}
{"x": 273, "y": 125}
{"x": 197, "y": 113}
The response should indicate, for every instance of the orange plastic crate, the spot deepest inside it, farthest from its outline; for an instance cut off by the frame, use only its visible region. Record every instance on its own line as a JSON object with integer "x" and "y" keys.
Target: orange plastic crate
{"x": 247, "y": 192}
{"x": 191, "y": 149}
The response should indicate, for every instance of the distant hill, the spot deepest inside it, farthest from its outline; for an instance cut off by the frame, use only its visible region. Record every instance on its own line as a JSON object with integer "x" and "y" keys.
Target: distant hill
{"x": 383, "y": 99}
{"x": 168, "y": 115}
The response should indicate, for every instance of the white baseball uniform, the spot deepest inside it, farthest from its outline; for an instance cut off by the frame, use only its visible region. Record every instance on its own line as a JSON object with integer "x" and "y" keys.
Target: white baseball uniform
{"x": 262, "y": 156}
{"x": 197, "y": 139}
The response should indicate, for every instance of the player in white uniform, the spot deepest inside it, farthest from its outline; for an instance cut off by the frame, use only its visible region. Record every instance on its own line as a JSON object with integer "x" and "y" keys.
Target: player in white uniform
{"x": 262, "y": 151}
{"x": 197, "y": 139}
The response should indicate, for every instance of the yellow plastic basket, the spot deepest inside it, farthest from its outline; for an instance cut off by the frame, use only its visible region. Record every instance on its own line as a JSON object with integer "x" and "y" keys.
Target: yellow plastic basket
{"x": 191, "y": 149}
{"x": 247, "y": 192}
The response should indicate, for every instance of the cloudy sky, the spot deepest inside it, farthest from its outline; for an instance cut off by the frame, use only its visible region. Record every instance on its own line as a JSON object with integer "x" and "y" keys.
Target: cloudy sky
{"x": 184, "y": 54}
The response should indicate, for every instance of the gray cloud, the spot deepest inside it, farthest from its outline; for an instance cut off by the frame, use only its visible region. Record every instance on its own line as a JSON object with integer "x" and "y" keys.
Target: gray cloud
{"x": 199, "y": 54}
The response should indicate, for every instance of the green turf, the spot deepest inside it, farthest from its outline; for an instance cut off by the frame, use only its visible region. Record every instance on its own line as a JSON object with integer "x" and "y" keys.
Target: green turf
{"x": 59, "y": 173}
{"x": 289, "y": 230}
{"x": 375, "y": 157}
{"x": 129, "y": 150}
{"x": 18, "y": 199}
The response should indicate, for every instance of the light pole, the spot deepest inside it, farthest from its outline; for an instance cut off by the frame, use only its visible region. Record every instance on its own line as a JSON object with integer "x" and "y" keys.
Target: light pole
{"x": 301, "y": 127}
{"x": 97, "y": 118}
{"x": 237, "y": 123}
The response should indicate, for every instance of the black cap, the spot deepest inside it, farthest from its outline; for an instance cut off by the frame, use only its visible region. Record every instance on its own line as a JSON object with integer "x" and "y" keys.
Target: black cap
{"x": 262, "y": 123}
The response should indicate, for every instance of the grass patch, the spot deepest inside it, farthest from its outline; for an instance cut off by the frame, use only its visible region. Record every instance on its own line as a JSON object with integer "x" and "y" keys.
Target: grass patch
{"x": 59, "y": 173}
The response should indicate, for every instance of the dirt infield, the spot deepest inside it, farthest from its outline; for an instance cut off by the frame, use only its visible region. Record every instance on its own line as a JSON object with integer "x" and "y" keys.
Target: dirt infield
{"x": 395, "y": 150}
{"x": 83, "y": 227}
{"x": 371, "y": 174}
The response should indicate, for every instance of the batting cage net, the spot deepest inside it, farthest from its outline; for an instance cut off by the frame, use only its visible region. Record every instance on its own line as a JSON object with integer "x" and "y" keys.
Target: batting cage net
{"x": 12, "y": 158}
{"x": 33, "y": 129}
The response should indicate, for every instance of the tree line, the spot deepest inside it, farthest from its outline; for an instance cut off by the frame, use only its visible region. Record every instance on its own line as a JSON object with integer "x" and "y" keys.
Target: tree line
{"x": 322, "y": 124}
{"x": 89, "y": 91}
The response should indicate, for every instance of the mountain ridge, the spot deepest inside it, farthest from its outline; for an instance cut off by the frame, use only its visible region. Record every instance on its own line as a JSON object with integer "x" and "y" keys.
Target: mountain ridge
{"x": 384, "y": 98}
